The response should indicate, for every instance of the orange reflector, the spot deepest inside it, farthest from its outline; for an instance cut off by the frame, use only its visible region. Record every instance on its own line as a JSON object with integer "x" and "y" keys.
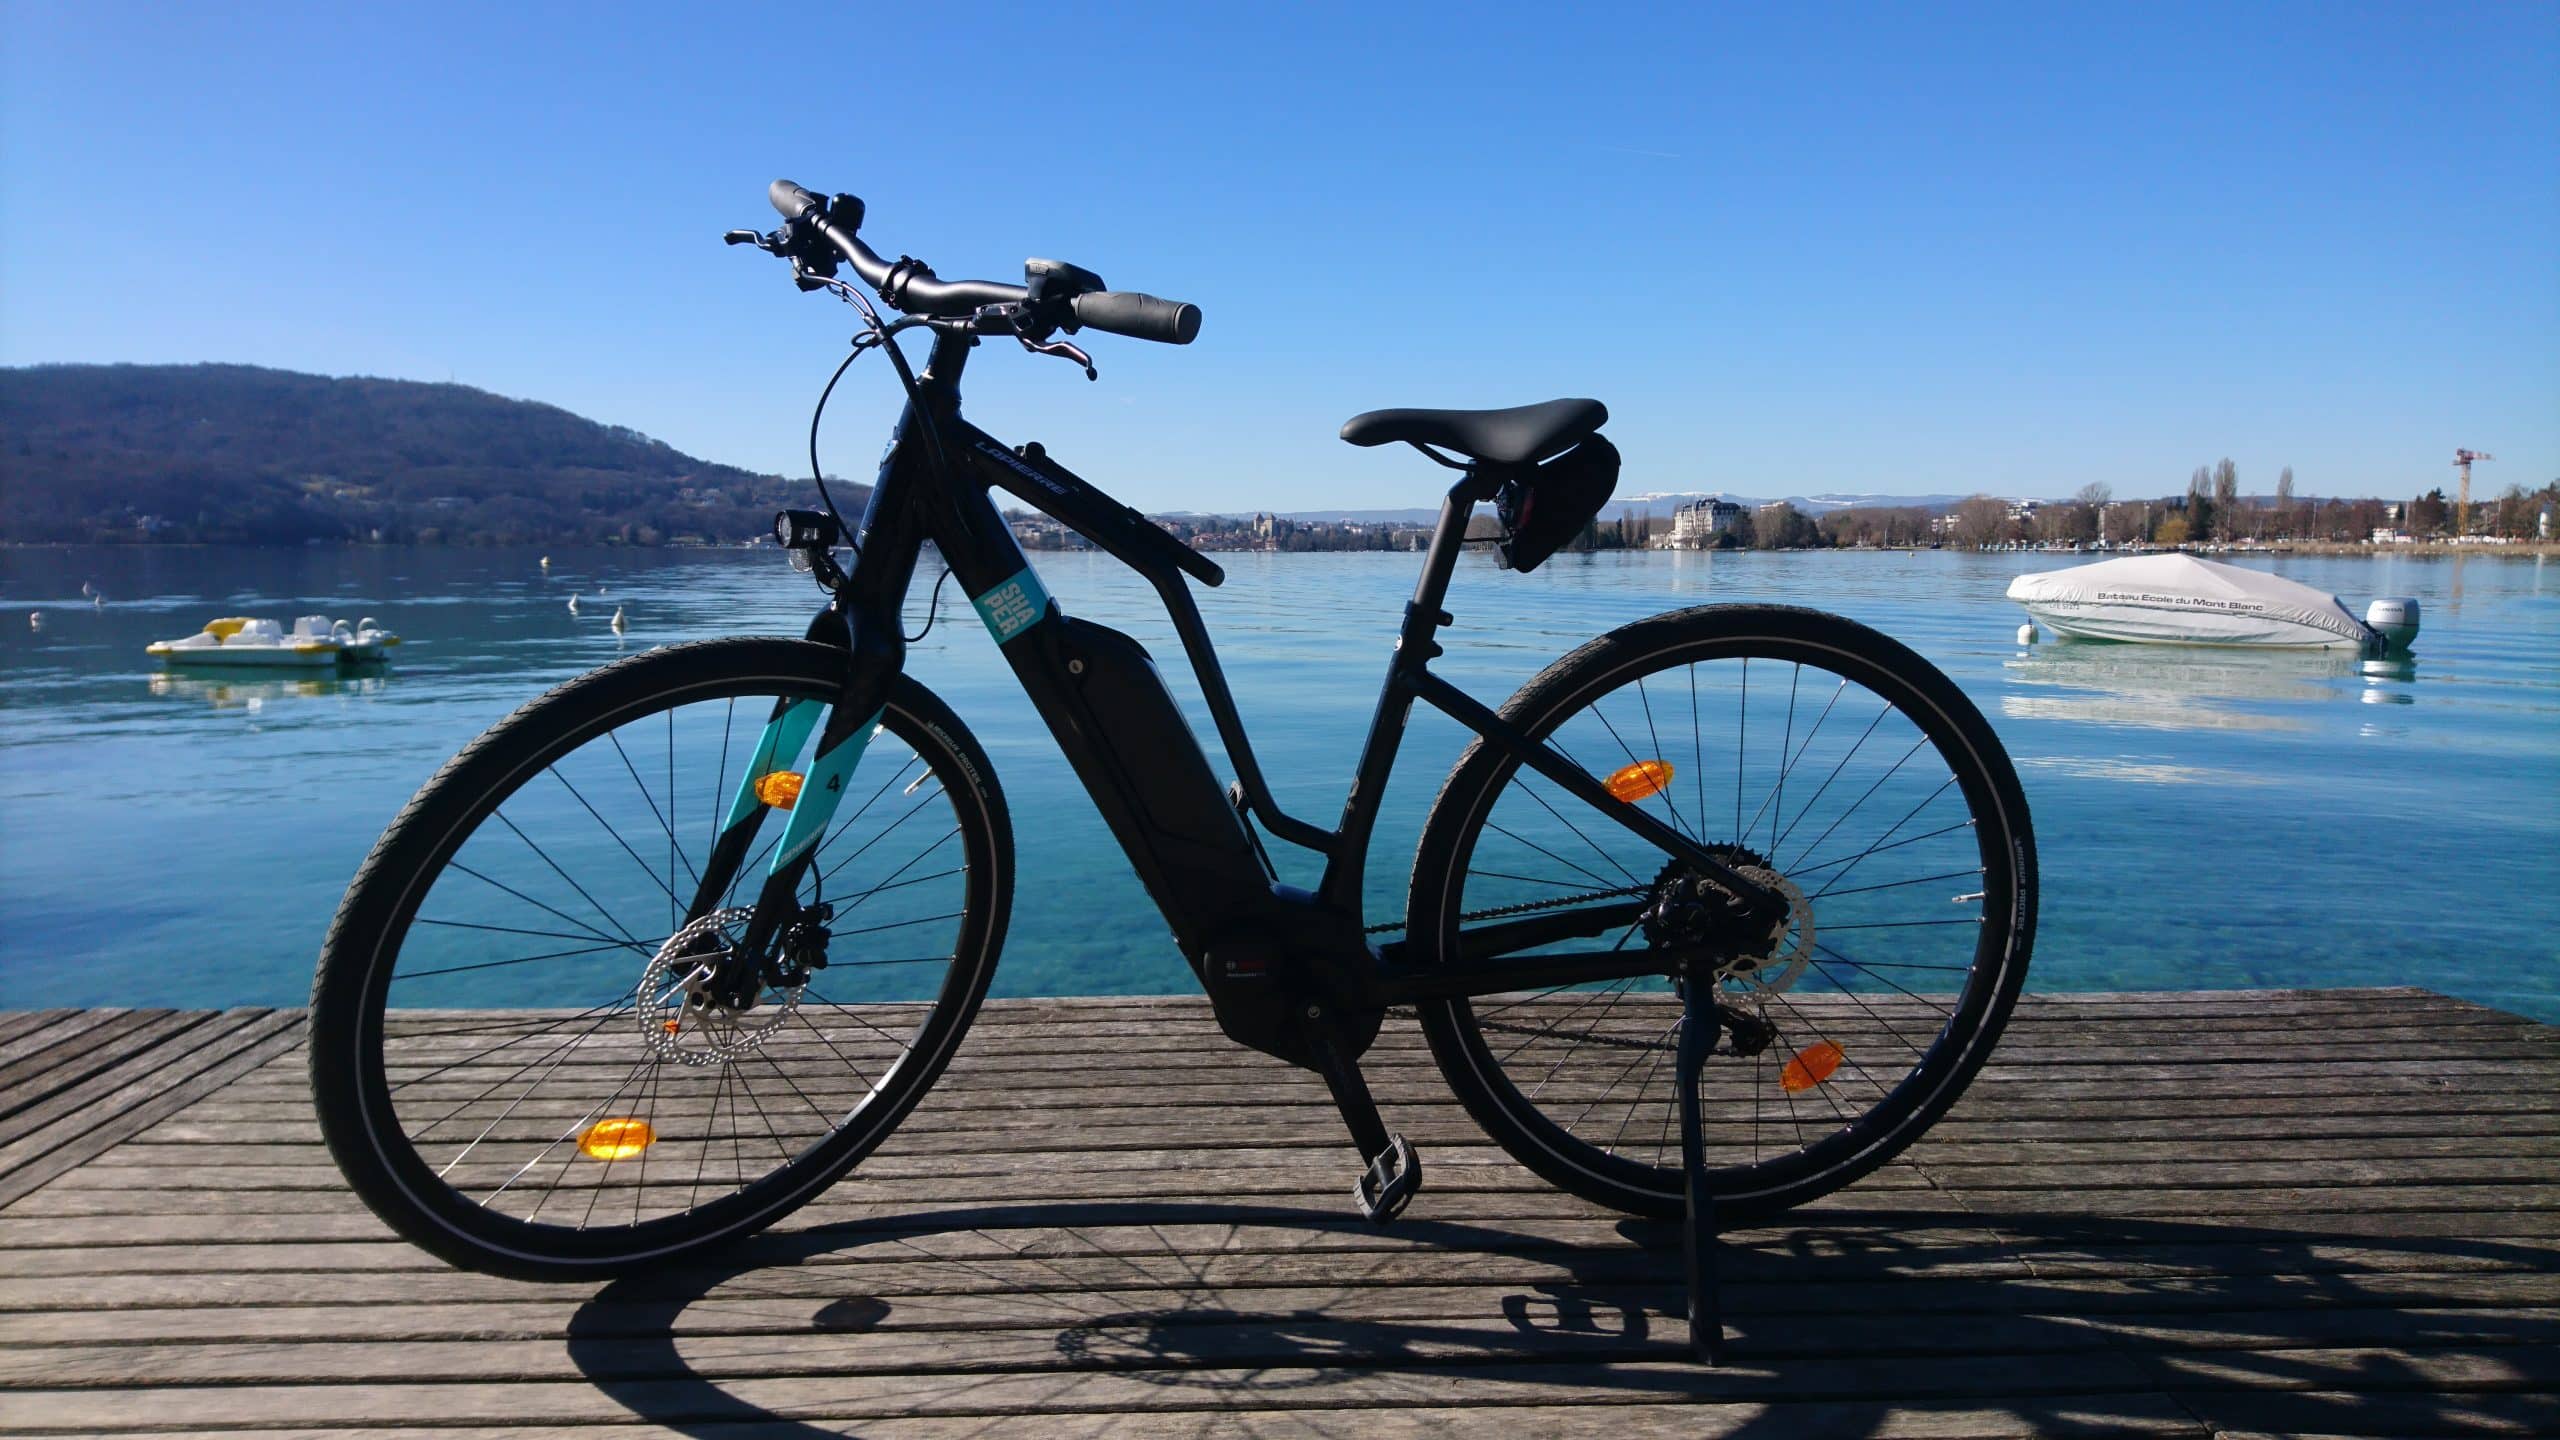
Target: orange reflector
{"x": 1812, "y": 1065}
{"x": 781, "y": 789}
{"x": 1635, "y": 782}
{"x": 617, "y": 1139}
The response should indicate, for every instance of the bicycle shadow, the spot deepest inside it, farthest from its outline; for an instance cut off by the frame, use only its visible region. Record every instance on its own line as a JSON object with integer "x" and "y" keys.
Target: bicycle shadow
{"x": 2062, "y": 1324}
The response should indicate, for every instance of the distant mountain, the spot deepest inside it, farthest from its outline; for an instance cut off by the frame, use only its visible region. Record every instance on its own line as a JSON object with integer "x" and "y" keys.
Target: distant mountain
{"x": 241, "y": 454}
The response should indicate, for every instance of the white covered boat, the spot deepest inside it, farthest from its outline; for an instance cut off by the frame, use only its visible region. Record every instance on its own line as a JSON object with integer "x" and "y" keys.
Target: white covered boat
{"x": 315, "y": 642}
{"x": 2178, "y": 599}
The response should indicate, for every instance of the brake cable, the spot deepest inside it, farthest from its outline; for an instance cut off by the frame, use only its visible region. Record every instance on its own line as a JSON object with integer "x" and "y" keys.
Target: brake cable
{"x": 819, "y": 475}
{"x": 875, "y": 336}
{"x": 932, "y": 609}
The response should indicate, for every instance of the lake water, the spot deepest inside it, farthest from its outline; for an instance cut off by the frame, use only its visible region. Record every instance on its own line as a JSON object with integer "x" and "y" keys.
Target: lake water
{"x": 2205, "y": 818}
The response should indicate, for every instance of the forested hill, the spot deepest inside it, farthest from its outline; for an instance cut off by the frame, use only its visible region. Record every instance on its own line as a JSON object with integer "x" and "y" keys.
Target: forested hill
{"x": 235, "y": 453}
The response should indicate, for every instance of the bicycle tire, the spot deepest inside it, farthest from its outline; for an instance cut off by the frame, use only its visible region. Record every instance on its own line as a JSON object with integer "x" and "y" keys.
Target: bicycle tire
{"x": 358, "y": 1101}
{"x": 1527, "y": 1119}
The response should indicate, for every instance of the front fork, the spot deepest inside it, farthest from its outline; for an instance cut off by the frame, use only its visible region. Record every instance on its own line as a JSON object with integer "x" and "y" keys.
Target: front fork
{"x": 810, "y": 804}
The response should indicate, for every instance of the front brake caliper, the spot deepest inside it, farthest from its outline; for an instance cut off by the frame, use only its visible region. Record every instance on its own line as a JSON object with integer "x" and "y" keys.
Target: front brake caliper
{"x": 804, "y": 946}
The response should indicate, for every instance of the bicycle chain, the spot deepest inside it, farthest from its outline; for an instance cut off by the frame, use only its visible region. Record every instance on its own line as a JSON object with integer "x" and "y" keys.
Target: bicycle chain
{"x": 1524, "y": 907}
{"x": 1406, "y": 1012}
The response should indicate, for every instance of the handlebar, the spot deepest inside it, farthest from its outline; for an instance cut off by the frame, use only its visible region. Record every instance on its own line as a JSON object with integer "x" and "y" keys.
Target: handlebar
{"x": 790, "y": 201}
{"x": 1143, "y": 317}
{"x": 911, "y": 285}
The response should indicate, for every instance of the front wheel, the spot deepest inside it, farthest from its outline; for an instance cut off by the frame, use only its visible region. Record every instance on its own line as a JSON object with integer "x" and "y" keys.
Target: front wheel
{"x": 507, "y": 1059}
{"x": 1825, "y": 761}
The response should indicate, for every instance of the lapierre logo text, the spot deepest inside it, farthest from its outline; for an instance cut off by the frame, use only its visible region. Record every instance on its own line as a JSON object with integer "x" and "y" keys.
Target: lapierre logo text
{"x": 1014, "y": 463}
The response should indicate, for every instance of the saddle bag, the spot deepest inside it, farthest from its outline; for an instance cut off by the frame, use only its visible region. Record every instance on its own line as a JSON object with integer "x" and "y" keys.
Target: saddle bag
{"x": 1542, "y": 507}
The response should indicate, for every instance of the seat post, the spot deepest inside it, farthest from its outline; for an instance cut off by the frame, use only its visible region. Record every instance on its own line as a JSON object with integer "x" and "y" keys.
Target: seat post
{"x": 1416, "y": 646}
{"x": 1426, "y": 614}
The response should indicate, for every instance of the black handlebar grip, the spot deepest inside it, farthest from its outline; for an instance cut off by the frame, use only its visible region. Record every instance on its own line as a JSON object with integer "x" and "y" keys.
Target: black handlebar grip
{"x": 1142, "y": 317}
{"x": 792, "y": 201}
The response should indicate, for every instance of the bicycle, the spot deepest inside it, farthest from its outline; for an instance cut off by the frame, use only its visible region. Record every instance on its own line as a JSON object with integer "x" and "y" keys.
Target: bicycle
{"x": 1646, "y": 995}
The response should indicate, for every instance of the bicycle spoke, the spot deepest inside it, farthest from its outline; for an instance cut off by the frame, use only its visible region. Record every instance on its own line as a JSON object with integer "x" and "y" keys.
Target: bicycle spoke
{"x": 608, "y": 829}
{"x": 884, "y": 834}
{"x": 812, "y": 1028}
{"x": 545, "y": 856}
{"x": 1880, "y": 849}
{"x": 1825, "y": 787}
{"x": 577, "y": 1128}
{"x": 1861, "y": 801}
{"x": 651, "y": 801}
{"x": 1550, "y": 854}
{"x": 1886, "y": 1025}
{"x": 1894, "y": 884}
{"x": 1616, "y": 993}
{"x": 720, "y": 772}
{"x": 1866, "y": 968}
{"x": 519, "y": 960}
{"x": 812, "y": 994}
{"x": 516, "y": 1110}
{"x": 539, "y": 934}
{"x": 538, "y": 905}
{"x": 1577, "y": 830}
{"x": 1839, "y": 769}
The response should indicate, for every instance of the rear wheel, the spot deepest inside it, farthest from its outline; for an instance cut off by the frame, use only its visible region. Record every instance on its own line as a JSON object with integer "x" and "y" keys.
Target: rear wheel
{"x": 1825, "y": 760}
{"x": 505, "y": 1066}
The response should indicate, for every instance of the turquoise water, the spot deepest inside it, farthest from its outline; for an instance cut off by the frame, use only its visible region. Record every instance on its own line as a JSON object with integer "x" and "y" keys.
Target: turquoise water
{"x": 2206, "y": 818}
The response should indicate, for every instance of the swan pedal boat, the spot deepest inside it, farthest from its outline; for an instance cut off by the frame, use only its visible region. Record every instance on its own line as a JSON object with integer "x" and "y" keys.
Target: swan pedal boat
{"x": 315, "y": 642}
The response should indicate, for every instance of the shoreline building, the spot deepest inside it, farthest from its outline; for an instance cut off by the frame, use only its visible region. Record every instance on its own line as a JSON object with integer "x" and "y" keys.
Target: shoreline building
{"x": 1700, "y": 523}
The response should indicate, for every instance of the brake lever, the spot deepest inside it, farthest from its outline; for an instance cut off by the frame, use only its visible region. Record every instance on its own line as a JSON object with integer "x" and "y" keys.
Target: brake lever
{"x": 743, "y": 237}
{"x": 1063, "y": 351}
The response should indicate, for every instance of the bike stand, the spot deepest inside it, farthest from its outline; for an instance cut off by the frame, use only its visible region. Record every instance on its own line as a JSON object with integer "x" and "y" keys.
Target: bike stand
{"x": 1699, "y": 1027}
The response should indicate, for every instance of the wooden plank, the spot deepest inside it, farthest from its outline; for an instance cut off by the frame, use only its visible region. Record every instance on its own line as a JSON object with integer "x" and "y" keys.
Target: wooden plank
{"x": 66, "y": 1061}
{"x": 1151, "y": 1229}
{"x": 2272, "y": 1309}
{"x": 171, "y": 1080}
{"x": 2425, "y": 1112}
{"x": 2129, "y": 1414}
{"x": 2468, "y": 1181}
{"x": 1306, "y": 1386}
{"x": 169, "y": 1038}
{"x": 1463, "y": 1326}
{"x": 1184, "y": 1034}
{"x": 1946, "y": 1157}
{"x": 24, "y": 1031}
{"x": 389, "y": 1273}
{"x": 2030, "y": 1051}
{"x": 2271, "y": 1414}
{"x": 2153, "y": 1214}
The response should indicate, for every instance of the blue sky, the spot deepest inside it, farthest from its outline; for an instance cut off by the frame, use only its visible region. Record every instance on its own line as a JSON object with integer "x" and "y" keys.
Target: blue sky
{"x": 1910, "y": 249}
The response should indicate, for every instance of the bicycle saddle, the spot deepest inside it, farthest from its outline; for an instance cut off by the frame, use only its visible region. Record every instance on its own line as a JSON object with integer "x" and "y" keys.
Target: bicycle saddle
{"x": 1521, "y": 435}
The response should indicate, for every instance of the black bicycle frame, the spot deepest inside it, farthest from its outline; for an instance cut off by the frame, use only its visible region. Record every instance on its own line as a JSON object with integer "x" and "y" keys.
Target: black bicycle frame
{"x": 1098, "y": 691}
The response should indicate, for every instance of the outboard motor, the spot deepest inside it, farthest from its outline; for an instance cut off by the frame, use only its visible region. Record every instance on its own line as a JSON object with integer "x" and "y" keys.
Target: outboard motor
{"x": 2395, "y": 619}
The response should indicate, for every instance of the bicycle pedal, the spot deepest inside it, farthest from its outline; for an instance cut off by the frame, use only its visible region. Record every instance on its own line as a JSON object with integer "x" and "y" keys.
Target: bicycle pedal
{"x": 1387, "y": 1186}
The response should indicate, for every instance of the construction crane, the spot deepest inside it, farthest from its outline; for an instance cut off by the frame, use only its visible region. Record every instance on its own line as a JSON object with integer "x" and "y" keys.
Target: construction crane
{"x": 2462, "y": 516}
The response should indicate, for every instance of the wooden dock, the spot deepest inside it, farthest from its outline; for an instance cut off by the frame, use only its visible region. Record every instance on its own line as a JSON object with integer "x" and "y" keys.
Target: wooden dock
{"x": 2206, "y": 1214}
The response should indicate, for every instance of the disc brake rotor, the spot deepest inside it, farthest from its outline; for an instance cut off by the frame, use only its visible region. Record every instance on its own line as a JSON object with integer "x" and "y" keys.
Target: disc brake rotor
{"x": 1790, "y": 950}
{"x": 680, "y": 1017}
